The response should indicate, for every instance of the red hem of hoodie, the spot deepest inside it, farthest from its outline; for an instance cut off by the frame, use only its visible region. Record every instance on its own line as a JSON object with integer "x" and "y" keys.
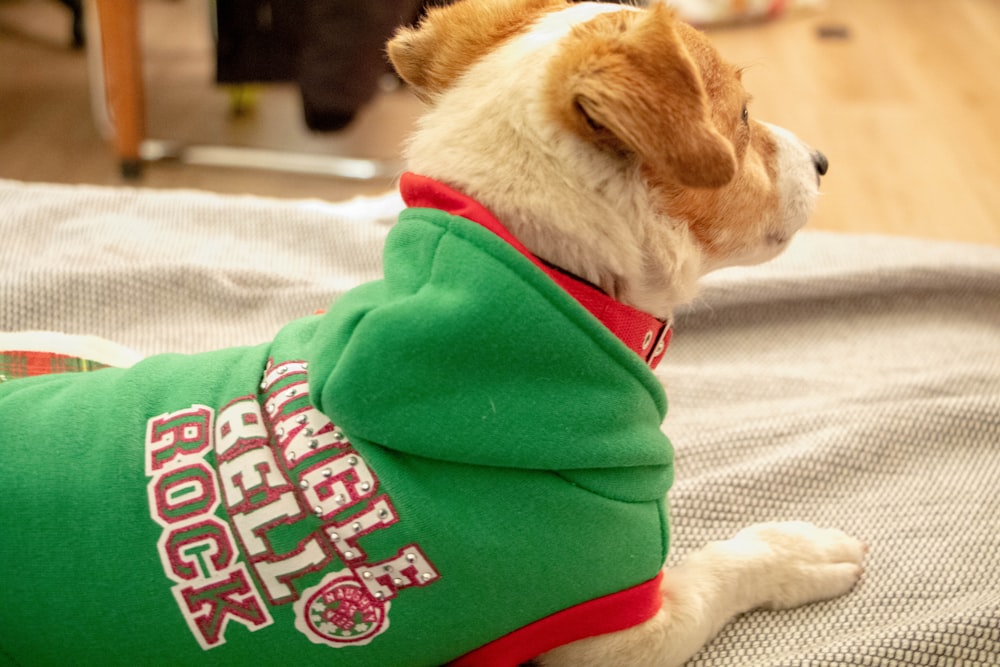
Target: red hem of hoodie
{"x": 611, "y": 613}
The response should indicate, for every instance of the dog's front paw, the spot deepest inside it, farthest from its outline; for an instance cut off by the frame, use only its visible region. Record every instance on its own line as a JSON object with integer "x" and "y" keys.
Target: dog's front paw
{"x": 792, "y": 563}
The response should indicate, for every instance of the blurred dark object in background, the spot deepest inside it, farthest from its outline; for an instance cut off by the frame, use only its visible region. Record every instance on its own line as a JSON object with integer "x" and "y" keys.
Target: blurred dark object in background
{"x": 333, "y": 49}
{"x": 78, "y": 40}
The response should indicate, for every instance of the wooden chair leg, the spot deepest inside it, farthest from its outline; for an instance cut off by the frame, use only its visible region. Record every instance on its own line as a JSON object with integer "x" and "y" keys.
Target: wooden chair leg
{"x": 122, "y": 60}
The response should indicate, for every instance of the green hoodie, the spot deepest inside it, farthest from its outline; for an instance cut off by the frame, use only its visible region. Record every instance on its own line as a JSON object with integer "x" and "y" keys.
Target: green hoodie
{"x": 457, "y": 456}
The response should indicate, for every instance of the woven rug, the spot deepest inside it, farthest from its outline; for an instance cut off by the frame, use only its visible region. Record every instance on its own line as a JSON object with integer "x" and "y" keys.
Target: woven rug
{"x": 855, "y": 383}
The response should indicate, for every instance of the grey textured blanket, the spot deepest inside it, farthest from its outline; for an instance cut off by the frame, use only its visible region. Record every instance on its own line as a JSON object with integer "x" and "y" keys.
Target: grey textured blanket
{"x": 854, "y": 382}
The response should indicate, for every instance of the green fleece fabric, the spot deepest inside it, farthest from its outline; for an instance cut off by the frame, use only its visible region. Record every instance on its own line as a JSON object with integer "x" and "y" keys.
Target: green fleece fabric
{"x": 447, "y": 455}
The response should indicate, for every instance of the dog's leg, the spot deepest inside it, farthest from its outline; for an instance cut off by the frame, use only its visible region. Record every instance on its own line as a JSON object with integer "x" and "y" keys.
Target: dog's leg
{"x": 772, "y": 565}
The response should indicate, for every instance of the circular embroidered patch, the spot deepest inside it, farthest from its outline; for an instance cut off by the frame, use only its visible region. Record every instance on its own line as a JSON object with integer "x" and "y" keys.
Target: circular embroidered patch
{"x": 341, "y": 612}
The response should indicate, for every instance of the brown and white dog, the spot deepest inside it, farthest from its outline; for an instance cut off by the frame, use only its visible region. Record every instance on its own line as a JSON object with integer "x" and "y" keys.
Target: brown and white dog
{"x": 615, "y": 143}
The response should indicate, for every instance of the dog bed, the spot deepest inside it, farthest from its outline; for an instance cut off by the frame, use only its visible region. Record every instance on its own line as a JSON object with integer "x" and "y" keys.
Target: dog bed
{"x": 854, "y": 382}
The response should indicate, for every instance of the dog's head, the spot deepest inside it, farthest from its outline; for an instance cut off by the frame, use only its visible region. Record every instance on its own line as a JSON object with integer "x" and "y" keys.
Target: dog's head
{"x": 612, "y": 140}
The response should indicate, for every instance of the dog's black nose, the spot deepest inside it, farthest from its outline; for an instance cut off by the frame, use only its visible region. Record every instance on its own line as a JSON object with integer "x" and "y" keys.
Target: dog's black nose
{"x": 822, "y": 164}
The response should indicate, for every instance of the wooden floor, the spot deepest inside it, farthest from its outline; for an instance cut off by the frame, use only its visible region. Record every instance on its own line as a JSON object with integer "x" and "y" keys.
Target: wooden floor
{"x": 902, "y": 95}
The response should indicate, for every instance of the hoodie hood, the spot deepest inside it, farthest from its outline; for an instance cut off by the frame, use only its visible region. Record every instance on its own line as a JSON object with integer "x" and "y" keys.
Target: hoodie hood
{"x": 468, "y": 352}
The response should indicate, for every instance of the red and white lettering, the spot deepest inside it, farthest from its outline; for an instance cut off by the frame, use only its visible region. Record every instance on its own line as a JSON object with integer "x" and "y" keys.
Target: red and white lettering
{"x": 344, "y": 536}
{"x": 173, "y": 436}
{"x": 275, "y": 373}
{"x": 331, "y": 486}
{"x": 276, "y": 462}
{"x": 408, "y": 568}
{"x": 252, "y": 478}
{"x": 277, "y": 574}
{"x": 306, "y": 433}
{"x": 209, "y": 608}
{"x": 197, "y": 551}
{"x": 276, "y": 403}
{"x": 252, "y": 526}
{"x": 239, "y": 425}
{"x": 183, "y": 493}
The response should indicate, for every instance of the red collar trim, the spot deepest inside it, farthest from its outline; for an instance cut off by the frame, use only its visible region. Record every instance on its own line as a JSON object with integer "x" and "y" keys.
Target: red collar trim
{"x": 642, "y": 333}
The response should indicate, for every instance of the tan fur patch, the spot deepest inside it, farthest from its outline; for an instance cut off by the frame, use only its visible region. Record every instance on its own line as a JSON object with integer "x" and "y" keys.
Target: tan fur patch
{"x": 453, "y": 37}
{"x": 724, "y": 221}
{"x": 647, "y": 84}
{"x": 625, "y": 81}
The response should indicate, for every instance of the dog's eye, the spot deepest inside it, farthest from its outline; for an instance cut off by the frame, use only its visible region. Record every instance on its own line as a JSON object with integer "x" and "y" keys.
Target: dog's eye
{"x": 745, "y": 116}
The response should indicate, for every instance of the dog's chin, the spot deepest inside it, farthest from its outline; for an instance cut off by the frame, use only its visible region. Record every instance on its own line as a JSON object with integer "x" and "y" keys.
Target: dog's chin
{"x": 798, "y": 190}
{"x": 770, "y": 245}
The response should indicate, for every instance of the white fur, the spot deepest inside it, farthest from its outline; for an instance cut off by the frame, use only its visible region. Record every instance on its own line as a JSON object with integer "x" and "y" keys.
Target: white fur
{"x": 772, "y": 565}
{"x": 489, "y": 136}
{"x": 798, "y": 182}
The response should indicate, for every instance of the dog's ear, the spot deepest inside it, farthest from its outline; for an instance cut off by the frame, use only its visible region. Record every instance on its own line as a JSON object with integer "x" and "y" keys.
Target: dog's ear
{"x": 625, "y": 82}
{"x": 450, "y": 38}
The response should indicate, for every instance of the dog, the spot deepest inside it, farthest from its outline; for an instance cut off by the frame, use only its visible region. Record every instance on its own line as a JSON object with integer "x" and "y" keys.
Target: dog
{"x": 461, "y": 463}
{"x": 617, "y": 145}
